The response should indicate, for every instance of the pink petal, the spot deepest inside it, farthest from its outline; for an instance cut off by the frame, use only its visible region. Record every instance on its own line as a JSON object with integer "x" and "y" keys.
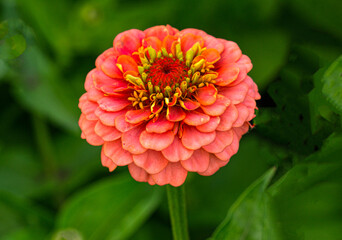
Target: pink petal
{"x": 113, "y": 104}
{"x": 107, "y": 133}
{"x": 157, "y": 31}
{"x": 150, "y": 180}
{"x": 174, "y": 174}
{"x": 153, "y": 42}
{"x": 188, "y": 40}
{"x": 218, "y": 107}
{"x": 228, "y": 118}
{"x": 189, "y": 104}
{"x": 194, "y": 139}
{"x": 209, "y": 126}
{"x": 195, "y": 118}
{"x": 198, "y": 162}
{"x": 107, "y": 84}
{"x": 151, "y": 161}
{"x": 129, "y": 41}
{"x": 137, "y": 116}
{"x": 107, "y": 162}
{"x": 176, "y": 151}
{"x": 156, "y": 141}
{"x": 230, "y": 150}
{"x": 227, "y": 75}
{"x": 107, "y": 53}
{"x": 175, "y": 114}
{"x": 88, "y": 108}
{"x": 161, "y": 125}
{"x": 114, "y": 151}
{"x": 246, "y": 61}
{"x": 127, "y": 64}
{"x": 230, "y": 54}
{"x": 206, "y": 95}
{"x": 235, "y": 94}
{"x": 222, "y": 140}
{"x": 253, "y": 88}
{"x": 94, "y": 94}
{"x": 108, "y": 118}
{"x": 214, "y": 165}
{"x": 240, "y": 77}
{"x": 242, "y": 116}
{"x": 89, "y": 80}
{"x": 87, "y": 128}
{"x": 138, "y": 173}
{"x": 241, "y": 130}
{"x": 211, "y": 55}
{"x": 109, "y": 67}
{"x": 122, "y": 125}
{"x": 130, "y": 140}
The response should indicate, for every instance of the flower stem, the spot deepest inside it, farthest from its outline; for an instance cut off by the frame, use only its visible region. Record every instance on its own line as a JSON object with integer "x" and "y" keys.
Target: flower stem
{"x": 177, "y": 208}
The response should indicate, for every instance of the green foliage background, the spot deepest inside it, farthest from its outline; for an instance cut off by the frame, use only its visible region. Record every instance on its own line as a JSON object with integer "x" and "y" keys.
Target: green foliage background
{"x": 284, "y": 183}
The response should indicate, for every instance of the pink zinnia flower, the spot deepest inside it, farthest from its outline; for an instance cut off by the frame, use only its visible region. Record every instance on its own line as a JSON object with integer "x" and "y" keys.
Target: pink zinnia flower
{"x": 168, "y": 102}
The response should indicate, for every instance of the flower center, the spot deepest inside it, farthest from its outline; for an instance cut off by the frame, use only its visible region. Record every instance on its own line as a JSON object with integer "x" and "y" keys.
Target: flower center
{"x": 167, "y": 72}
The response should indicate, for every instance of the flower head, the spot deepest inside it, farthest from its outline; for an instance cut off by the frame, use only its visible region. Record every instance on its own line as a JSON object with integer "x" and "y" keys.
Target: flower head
{"x": 168, "y": 102}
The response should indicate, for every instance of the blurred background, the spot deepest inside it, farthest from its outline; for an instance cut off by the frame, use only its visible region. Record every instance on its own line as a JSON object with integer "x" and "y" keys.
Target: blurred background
{"x": 52, "y": 184}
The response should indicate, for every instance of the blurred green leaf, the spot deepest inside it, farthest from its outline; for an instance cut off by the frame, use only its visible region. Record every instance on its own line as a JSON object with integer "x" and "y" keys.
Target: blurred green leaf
{"x": 110, "y": 209}
{"x": 332, "y": 84}
{"x": 13, "y": 47}
{"x": 249, "y": 217}
{"x": 3, "y": 29}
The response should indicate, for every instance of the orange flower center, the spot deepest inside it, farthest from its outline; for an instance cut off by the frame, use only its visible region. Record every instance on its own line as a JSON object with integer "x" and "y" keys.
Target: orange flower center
{"x": 167, "y": 72}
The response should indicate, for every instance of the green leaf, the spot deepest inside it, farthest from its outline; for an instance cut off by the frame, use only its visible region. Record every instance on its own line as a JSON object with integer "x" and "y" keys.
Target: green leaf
{"x": 12, "y": 47}
{"x": 249, "y": 217}
{"x": 110, "y": 209}
{"x": 332, "y": 84}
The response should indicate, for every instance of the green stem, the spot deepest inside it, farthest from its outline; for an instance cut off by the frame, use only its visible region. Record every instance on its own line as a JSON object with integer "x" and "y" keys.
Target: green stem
{"x": 177, "y": 208}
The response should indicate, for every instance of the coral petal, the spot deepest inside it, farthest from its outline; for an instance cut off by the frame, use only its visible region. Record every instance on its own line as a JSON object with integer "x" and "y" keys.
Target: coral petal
{"x": 108, "y": 118}
{"x": 107, "y": 133}
{"x": 176, "y": 151}
{"x": 87, "y": 127}
{"x": 107, "y": 162}
{"x": 173, "y": 174}
{"x": 114, "y": 151}
{"x": 228, "y": 118}
{"x": 122, "y": 125}
{"x": 189, "y": 104}
{"x": 138, "y": 173}
{"x": 198, "y": 162}
{"x": 168, "y": 41}
{"x": 127, "y": 63}
{"x": 106, "y": 54}
{"x": 175, "y": 114}
{"x": 235, "y": 94}
{"x": 194, "y": 139}
{"x": 137, "y": 116}
{"x": 227, "y": 75}
{"x": 188, "y": 40}
{"x": 230, "y": 54}
{"x": 130, "y": 140}
{"x": 128, "y": 42}
{"x": 195, "y": 118}
{"x": 206, "y": 95}
{"x": 161, "y": 125}
{"x": 209, "y": 126}
{"x": 230, "y": 150}
{"x": 88, "y": 108}
{"x": 151, "y": 161}
{"x": 110, "y": 69}
{"x": 158, "y": 31}
{"x": 211, "y": 55}
{"x": 242, "y": 116}
{"x": 222, "y": 140}
{"x": 113, "y": 104}
{"x": 156, "y": 141}
{"x": 110, "y": 85}
{"x": 218, "y": 107}
{"x": 214, "y": 165}
{"x": 88, "y": 84}
{"x": 153, "y": 42}
{"x": 246, "y": 61}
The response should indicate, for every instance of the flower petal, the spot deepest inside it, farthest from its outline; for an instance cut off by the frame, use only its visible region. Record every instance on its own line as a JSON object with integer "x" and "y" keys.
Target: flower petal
{"x": 107, "y": 133}
{"x": 153, "y": 42}
{"x": 122, "y": 125}
{"x": 211, "y": 55}
{"x": 151, "y": 161}
{"x": 108, "y": 118}
{"x": 246, "y": 61}
{"x": 230, "y": 150}
{"x": 158, "y": 31}
{"x": 188, "y": 40}
{"x": 88, "y": 108}
{"x": 236, "y": 94}
{"x": 130, "y": 140}
{"x": 128, "y": 42}
{"x": 227, "y": 75}
{"x": 195, "y": 118}
{"x": 109, "y": 67}
{"x": 113, "y": 104}
{"x": 176, "y": 151}
{"x": 107, "y": 162}
{"x": 198, "y": 162}
{"x": 106, "y": 54}
{"x": 173, "y": 174}
{"x": 137, "y": 116}
{"x": 222, "y": 140}
{"x": 218, "y": 107}
{"x": 87, "y": 128}
{"x": 127, "y": 64}
{"x": 108, "y": 84}
{"x": 206, "y": 95}
{"x": 194, "y": 139}
{"x": 114, "y": 151}
{"x": 161, "y": 125}
{"x": 230, "y": 54}
{"x": 214, "y": 165}
{"x": 156, "y": 141}
{"x": 228, "y": 118}
{"x": 242, "y": 116}
{"x": 209, "y": 126}
{"x": 175, "y": 114}
{"x": 138, "y": 173}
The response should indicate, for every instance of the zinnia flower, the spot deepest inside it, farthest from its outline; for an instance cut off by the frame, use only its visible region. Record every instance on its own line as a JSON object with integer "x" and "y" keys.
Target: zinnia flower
{"x": 168, "y": 102}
